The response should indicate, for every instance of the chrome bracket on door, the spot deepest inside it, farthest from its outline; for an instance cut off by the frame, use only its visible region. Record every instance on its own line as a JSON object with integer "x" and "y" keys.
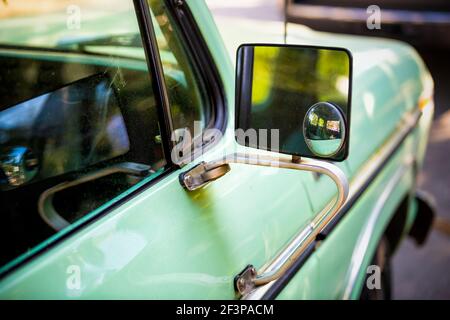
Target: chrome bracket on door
{"x": 250, "y": 278}
{"x": 202, "y": 174}
{"x": 244, "y": 281}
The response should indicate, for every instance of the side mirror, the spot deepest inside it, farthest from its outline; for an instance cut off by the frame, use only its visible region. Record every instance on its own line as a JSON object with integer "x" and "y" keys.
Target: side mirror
{"x": 294, "y": 99}
{"x": 299, "y": 97}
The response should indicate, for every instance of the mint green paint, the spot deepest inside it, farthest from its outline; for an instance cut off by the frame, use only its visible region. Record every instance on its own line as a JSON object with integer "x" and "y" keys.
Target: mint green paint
{"x": 168, "y": 243}
{"x": 305, "y": 284}
{"x": 335, "y": 254}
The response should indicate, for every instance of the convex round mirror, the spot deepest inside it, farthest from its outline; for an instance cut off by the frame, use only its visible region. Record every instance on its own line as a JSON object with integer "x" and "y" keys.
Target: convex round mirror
{"x": 324, "y": 129}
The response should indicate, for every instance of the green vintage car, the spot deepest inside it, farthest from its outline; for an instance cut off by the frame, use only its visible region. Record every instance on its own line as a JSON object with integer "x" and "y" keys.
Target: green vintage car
{"x": 133, "y": 162}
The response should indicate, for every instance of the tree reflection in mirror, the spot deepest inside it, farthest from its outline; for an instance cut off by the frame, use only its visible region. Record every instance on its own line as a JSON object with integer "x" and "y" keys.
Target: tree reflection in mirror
{"x": 324, "y": 129}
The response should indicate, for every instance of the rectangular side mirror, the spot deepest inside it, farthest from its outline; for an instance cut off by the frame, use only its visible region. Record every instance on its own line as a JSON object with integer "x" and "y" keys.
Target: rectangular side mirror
{"x": 294, "y": 99}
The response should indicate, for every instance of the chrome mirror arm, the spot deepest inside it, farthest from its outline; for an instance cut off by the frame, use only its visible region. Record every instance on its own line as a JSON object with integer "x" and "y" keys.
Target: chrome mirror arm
{"x": 247, "y": 280}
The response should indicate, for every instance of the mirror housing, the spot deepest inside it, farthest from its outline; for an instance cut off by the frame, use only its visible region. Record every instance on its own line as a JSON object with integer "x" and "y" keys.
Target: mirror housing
{"x": 294, "y": 99}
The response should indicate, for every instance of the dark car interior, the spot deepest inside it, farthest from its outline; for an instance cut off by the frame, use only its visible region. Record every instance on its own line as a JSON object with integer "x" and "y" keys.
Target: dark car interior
{"x": 63, "y": 121}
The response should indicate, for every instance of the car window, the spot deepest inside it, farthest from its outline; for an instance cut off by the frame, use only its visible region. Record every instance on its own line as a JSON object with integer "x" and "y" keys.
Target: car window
{"x": 78, "y": 116}
{"x": 188, "y": 102}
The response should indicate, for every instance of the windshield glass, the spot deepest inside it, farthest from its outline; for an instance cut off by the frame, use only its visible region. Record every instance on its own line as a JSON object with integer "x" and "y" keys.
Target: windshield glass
{"x": 79, "y": 26}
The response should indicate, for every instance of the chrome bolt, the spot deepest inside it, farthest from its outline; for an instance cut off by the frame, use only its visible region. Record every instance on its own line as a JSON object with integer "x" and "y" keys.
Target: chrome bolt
{"x": 241, "y": 284}
{"x": 188, "y": 179}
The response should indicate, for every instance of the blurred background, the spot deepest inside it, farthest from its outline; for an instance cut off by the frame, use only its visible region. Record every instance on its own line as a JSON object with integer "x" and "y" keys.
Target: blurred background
{"x": 418, "y": 272}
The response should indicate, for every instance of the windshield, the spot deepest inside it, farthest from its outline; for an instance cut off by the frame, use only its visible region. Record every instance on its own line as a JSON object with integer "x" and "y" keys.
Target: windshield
{"x": 79, "y": 26}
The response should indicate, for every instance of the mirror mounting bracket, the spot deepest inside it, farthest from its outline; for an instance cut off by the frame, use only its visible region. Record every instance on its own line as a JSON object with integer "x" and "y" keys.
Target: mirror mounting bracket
{"x": 202, "y": 174}
{"x": 249, "y": 279}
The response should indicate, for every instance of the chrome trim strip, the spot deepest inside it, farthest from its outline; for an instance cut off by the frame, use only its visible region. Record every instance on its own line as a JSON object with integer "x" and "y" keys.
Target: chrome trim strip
{"x": 368, "y": 230}
{"x": 363, "y": 176}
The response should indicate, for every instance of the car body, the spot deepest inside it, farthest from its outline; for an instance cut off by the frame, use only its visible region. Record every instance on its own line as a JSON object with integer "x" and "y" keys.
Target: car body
{"x": 156, "y": 240}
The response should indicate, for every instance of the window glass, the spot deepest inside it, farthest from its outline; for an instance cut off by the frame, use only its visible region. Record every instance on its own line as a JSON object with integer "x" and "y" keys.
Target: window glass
{"x": 78, "y": 115}
{"x": 187, "y": 100}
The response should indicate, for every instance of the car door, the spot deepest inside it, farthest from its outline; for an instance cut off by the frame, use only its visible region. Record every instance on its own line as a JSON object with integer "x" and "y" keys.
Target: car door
{"x": 155, "y": 239}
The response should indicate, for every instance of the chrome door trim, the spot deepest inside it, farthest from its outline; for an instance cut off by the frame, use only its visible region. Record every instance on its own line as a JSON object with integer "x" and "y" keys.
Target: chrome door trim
{"x": 367, "y": 232}
{"x": 358, "y": 185}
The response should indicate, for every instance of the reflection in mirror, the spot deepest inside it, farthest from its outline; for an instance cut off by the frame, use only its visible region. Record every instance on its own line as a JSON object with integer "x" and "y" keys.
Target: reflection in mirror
{"x": 68, "y": 129}
{"x": 277, "y": 85}
{"x": 324, "y": 129}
